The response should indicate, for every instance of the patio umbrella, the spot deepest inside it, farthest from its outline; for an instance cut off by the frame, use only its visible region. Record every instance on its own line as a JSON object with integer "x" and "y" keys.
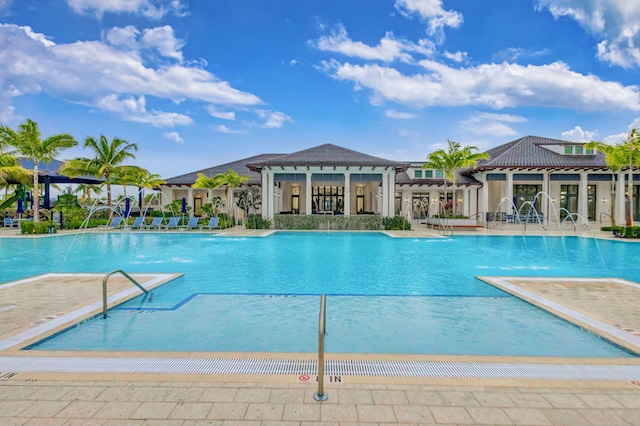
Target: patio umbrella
{"x": 127, "y": 207}
{"x": 184, "y": 205}
{"x": 20, "y": 208}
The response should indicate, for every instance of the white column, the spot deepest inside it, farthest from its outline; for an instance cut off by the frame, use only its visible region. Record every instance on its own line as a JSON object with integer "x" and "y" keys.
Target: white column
{"x": 583, "y": 205}
{"x": 265, "y": 195}
{"x": 385, "y": 195}
{"x": 620, "y": 189}
{"x": 391, "y": 202}
{"x": 347, "y": 193}
{"x": 509, "y": 196}
{"x": 484, "y": 196}
{"x": 190, "y": 198}
{"x": 465, "y": 202}
{"x": 544, "y": 200}
{"x": 308, "y": 195}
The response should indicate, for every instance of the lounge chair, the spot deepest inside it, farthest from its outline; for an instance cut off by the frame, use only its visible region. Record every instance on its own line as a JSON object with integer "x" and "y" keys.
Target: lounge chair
{"x": 213, "y": 223}
{"x": 193, "y": 223}
{"x": 8, "y": 222}
{"x": 115, "y": 223}
{"x": 173, "y": 223}
{"x": 138, "y": 223}
{"x": 156, "y": 223}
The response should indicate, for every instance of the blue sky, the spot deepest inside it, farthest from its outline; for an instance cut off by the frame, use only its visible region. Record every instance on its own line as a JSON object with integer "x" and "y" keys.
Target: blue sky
{"x": 204, "y": 82}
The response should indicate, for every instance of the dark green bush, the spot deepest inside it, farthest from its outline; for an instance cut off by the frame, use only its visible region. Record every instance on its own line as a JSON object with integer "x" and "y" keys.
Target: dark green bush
{"x": 396, "y": 223}
{"x": 256, "y": 221}
{"x": 31, "y": 227}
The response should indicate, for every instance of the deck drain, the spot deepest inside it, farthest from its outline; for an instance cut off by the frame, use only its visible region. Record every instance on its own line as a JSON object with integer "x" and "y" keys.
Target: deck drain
{"x": 6, "y": 376}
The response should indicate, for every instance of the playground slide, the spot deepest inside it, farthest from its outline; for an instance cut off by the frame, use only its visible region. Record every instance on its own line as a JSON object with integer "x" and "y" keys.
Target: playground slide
{"x": 6, "y": 203}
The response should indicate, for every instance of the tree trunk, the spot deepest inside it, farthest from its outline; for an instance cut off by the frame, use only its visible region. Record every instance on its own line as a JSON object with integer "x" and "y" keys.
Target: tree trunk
{"x": 36, "y": 198}
{"x": 108, "y": 194}
{"x": 628, "y": 211}
{"x": 612, "y": 209}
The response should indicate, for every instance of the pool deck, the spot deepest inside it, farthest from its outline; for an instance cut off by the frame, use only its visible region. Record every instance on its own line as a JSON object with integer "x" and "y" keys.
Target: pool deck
{"x": 37, "y": 396}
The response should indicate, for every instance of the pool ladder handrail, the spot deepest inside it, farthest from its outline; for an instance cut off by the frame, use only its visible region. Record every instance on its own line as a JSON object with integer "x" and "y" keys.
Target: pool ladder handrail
{"x": 322, "y": 326}
{"x": 104, "y": 288}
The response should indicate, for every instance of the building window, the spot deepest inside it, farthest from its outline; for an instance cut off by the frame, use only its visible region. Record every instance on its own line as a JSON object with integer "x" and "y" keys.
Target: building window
{"x": 428, "y": 174}
{"x": 568, "y": 150}
{"x": 589, "y": 151}
{"x": 524, "y": 194}
{"x": 418, "y": 174}
{"x": 578, "y": 150}
{"x": 439, "y": 174}
{"x": 568, "y": 200}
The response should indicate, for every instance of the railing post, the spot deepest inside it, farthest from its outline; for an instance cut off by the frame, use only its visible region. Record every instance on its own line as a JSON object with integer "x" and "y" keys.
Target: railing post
{"x": 320, "y": 395}
{"x": 104, "y": 288}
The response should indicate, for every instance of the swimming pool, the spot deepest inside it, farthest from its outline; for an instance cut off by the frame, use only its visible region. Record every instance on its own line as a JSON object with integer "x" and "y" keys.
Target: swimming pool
{"x": 385, "y": 295}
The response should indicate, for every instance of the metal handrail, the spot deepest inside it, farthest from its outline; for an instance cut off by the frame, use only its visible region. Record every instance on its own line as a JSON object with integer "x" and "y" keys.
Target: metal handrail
{"x": 104, "y": 288}
{"x": 322, "y": 325}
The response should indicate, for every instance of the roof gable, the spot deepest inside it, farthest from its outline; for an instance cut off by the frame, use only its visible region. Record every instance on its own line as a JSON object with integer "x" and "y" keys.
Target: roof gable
{"x": 327, "y": 155}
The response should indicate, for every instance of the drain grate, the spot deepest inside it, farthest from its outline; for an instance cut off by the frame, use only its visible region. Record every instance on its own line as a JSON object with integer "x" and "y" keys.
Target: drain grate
{"x": 381, "y": 368}
{"x": 5, "y": 375}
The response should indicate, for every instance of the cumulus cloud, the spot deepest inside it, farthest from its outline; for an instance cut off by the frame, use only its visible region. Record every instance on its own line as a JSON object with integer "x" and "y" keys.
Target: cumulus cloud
{"x": 484, "y": 123}
{"x": 111, "y": 75}
{"x": 494, "y": 85}
{"x": 615, "y": 22}
{"x": 408, "y": 133}
{"x": 389, "y": 49}
{"x": 399, "y": 115}
{"x": 577, "y": 134}
{"x": 456, "y": 57}
{"x": 274, "y": 119}
{"x": 215, "y": 112}
{"x": 224, "y": 129}
{"x": 154, "y": 9}
{"x": 431, "y": 11}
{"x": 135, "y": 110}
{"x": 173, "y": 136}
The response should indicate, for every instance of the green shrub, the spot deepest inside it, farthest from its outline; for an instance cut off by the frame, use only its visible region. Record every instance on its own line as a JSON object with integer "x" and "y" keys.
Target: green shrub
{"x": 31, "y": 227}
{"x": 333, "y": 223}
{"x": 256, "y": 221}
{"x": 396, "y": 223}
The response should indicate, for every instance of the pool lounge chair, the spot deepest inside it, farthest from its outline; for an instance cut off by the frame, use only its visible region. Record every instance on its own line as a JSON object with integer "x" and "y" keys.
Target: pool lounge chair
{"x": 8, "y": 222}
{"x": 213, "y": 223}
{"x": 193, "y": 223}
{"x": 138, "y": 223}
{"x": 156, "y": 223}
{"x": 173, "y": 223}
{"x": 115, "y": 223}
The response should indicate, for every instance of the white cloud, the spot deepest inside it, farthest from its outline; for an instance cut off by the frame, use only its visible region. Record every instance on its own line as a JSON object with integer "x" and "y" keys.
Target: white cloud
{"x": 615, "y": 22}
{"x": 484, "y": 123}
{"x": 456, "y": 57}
{"x": 494, "y": 85}
{"x": 224, "y": 129}
{"x": 432, "y": 11}
{"x": 389, "y": 49}
{"x": 215, "y": 112}
{"x": 101, "y": 75}
{"x": 275, "y": 119}
{"x": 135, "y": 110}
{"x": 577, "y": 134}
{"x": 163, "y": 39}
{"x": 293, "y": 62}
{"x": 154, "y": 9}
{"x": 4, "y": 4}
{"x": 173, "y": 136}
{"x": 399, "y": 115}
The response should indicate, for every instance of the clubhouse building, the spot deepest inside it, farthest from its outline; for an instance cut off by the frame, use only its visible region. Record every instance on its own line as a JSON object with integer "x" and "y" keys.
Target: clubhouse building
{"x": 332, "y": 180}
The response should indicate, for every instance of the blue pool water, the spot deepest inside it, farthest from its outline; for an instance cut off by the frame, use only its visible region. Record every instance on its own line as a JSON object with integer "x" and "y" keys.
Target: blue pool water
{"x": 385, "y": 295}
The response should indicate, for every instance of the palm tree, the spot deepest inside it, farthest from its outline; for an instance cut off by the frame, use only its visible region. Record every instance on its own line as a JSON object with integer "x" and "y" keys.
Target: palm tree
{"x": 86, "y": 188}
{"x": 451, "y": 161}
{"x": 231, "y": 179}
{"x": 145, "y": 180}
{"x": 613, "y": 162}
{"x": 109, "y": 157}
{"x": 10, "y": 169}
{"x": 621, "y": 155}
{"x": 28, "y": 143}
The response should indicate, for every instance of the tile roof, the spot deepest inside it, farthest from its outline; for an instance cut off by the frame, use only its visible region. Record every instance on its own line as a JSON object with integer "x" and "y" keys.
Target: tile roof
{"x": 529, "y": 152}
{"x": 327, "y": 155}
{"x": 239, "y": 167}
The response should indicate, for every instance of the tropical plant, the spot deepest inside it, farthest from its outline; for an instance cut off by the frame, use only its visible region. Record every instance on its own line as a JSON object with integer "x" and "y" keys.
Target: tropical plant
{"x": 452, "y": 160}
{"x": 231, "y": 179}
{"x": 28, "y": 143}
{"x": 108, "y": 160}
{"x": 625, "y": 154}
{"x": 10, "y": 168}
{"x": 86, "y": 188}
